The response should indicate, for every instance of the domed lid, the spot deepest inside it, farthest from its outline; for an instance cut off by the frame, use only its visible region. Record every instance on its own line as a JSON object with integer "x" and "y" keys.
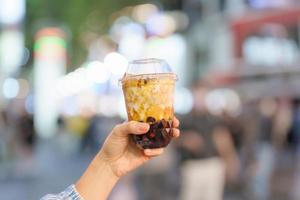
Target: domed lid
{"x": 149, "y": 67}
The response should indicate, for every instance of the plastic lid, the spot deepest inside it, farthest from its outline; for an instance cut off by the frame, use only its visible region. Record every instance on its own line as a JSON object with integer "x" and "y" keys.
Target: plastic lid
{"x": 150, "y": 67}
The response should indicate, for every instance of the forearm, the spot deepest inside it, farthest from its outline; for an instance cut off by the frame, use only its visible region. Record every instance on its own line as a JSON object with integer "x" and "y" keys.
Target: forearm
{"x": 97, "y": 181}
{"x": 117, "y": 157}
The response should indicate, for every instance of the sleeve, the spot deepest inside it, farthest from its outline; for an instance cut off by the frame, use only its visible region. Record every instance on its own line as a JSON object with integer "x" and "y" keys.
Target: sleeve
{"x": 69, "y": 194}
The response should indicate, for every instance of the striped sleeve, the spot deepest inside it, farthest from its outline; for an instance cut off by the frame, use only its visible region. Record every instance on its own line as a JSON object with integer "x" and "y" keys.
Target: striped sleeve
{"x": 69, "y": 194}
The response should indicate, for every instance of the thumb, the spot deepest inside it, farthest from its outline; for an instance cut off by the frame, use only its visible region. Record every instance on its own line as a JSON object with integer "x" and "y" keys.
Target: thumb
{"x": 132, "y": 127}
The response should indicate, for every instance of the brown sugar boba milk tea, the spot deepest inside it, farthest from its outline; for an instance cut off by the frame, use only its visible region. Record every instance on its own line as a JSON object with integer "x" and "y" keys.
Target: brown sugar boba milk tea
{"x": 148, "y": 87}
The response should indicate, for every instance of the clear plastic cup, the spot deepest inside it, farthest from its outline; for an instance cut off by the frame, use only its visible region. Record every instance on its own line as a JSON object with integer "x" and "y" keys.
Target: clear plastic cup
{"x": 148, "y": 87}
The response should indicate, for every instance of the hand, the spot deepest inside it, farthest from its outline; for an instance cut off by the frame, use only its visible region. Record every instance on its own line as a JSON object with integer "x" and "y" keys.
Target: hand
{"x": 118, "y": 156}
{"x": 120, "y": 152}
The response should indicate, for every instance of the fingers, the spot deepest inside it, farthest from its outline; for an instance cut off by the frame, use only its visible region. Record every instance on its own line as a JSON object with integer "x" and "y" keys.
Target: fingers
{"x": 131, "y": 127}
{"x": 175, "y": 133}
{"x": 175, "y": 130}
{"x": 175, "y": 122}
{"x": 134, "y": 127}
{"x": 153, "y": 152}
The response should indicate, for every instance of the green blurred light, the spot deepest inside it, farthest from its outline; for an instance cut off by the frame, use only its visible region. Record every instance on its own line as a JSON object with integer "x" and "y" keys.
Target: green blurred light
{"x": 49, "y": 40}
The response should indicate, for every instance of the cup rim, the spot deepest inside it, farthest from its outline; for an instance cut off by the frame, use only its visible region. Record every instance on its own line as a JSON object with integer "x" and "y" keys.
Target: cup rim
{"x": 126, "y": 76}
{"x": 146, "y": 60}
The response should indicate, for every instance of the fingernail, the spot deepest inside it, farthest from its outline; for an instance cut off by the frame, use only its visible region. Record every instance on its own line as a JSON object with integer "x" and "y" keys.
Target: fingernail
{"x": 143, "y": 127}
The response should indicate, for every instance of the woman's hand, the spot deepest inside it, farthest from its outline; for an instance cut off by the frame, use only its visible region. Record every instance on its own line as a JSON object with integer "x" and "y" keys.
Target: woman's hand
{"x": 122, "y": 154}
{"x": 118, "y": 156}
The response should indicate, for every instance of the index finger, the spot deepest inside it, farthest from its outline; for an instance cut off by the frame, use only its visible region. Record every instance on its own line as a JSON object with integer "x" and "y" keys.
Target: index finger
{"x": 132, "y": 127}
{"x": 175, "y": 122}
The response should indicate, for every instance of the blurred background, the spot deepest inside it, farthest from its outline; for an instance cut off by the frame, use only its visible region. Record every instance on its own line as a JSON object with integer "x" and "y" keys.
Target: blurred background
{"x": 237, "y": 96}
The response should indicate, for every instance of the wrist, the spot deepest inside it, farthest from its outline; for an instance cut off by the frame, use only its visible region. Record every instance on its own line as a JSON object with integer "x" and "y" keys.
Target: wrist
{"x": 101, "y": 162}
{"x": 97, "y": 181}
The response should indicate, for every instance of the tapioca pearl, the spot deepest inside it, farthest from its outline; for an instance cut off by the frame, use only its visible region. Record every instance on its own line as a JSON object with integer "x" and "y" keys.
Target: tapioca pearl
{"x": 151, "y": 142}
{"x": 152, "y": 135}
{"x": 158, "y": 140}
{"x": 150, "y": 119}
{"x": 154, "y": 126}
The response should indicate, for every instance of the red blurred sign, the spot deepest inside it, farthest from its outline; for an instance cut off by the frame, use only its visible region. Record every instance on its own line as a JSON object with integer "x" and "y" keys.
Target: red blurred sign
{"x": 252, "y": 21}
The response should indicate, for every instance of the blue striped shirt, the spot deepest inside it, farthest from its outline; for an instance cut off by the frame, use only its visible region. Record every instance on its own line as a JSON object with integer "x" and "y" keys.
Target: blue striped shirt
{"x": 69, "y": 194}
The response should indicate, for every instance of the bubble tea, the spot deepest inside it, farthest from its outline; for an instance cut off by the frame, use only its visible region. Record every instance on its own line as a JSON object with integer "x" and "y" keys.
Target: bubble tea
{"x": 148, "y": 87}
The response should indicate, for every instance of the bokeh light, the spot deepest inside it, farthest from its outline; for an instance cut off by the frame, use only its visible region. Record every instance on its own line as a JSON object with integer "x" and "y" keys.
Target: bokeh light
{"x": 223, "y": 100}
{"x": 10, "y": 88}
{"x": 183, "y": 100}
{"x": 24, "y": 88}
{"x": 97, "y": 72}
{"x": 141, "y": 13}
{"x": 11, "y": 41}
{"x": 12, "y": 11}
{"x": 161, "y": 24}
{"x": 116, "y": 63}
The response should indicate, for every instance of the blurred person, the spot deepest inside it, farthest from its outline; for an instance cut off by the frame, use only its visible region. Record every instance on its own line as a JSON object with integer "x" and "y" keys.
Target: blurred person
{"x": 160, "y": 178}
{"x": 25, "y": 145}
{"x": 3, "y": 135}
{"x": 207, "y": 152}
{"x": 293, "y": 141}
{"x": 118, "y": 156}
{"x": 235, "y": 127}
{"x": 249, "y": 121}
{"x": 26, "y": 130}
{"x": 5, "y": 141}
{"x": 234, "y": 177}
{"x": 286, "y": 161}
{"x": 19, "y": 133}
{"x": 77, "y": 125}
{"x": 265, "y": 151}
{"x": 10, "y": 148}
{"x": 66, "y": 141}
{"x": 89, "y": 140}
{"x": 96, "y": 132}
{"x": 294, "y": 133}
{"x": 283, "y": 122}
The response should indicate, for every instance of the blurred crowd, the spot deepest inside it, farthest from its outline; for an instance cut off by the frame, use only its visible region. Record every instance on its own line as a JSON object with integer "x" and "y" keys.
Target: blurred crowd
{"x": 252, "y": 154}
{"x": 237, "y": 96}
{"x": 249, "y": 154}
{"x": 249, "y": 151}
